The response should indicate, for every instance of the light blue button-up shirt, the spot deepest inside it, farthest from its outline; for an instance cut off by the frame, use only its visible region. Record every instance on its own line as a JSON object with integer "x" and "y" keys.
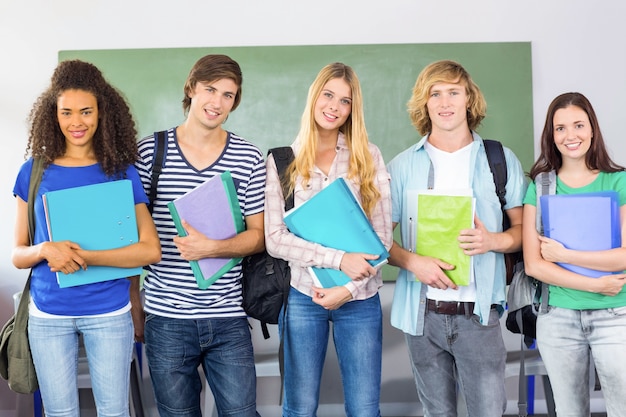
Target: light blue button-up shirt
{"x": 409, "y": 171}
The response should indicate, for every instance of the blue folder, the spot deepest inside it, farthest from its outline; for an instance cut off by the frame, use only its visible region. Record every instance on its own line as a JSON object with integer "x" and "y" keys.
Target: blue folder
{"x": 334, "y": 218}
{"x": 97, "y": 217}
{"x": 213, "y": 209}
{"x": 585, "y": 222}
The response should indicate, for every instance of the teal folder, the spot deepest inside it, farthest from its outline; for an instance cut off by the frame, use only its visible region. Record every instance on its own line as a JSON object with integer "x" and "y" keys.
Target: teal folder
{"x": 97, "y": 217}
{"x": 586, "y": 222}
{"x": 334, "y": 218}
{"x": 212, "y": 208}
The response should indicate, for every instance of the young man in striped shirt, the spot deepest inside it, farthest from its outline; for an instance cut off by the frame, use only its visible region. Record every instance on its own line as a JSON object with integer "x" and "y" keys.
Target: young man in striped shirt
{"x": 186, "y": 326}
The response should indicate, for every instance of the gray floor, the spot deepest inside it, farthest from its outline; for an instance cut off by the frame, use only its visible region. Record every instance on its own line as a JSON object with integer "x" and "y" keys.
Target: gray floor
{"x": 88, "y": 407}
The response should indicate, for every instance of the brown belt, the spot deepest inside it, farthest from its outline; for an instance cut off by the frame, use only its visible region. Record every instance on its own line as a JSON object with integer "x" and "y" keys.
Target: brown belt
{"x": 450, "y": 307}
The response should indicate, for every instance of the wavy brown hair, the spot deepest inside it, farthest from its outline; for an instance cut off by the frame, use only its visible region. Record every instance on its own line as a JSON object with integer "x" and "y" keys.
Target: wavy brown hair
{"x": 597, "y": 158}
{"x": 211, "y": 68}
{"x": 444, "y": 71}
{"x": 361, "y": 165}
{"x": 115, "y": 139}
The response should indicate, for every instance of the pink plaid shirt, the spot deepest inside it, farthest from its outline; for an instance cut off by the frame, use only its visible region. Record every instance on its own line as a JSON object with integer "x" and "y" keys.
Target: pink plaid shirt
{"x": 302, "y": 254}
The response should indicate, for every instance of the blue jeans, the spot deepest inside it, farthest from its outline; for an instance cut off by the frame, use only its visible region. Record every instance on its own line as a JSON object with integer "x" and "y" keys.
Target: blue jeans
{"x": 108, "y": 342}
{"x": 568, "y": 340}
{"x": 357, "y": 333}
{"x": 175, "y": 348}
{"x": 458, "y": 350}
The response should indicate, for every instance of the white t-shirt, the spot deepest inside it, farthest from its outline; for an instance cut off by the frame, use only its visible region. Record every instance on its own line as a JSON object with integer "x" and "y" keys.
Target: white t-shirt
{"x": 452, "y": 173}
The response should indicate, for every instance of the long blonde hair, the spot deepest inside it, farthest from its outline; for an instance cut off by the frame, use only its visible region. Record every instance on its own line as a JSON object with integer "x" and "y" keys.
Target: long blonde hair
{"x": 361, "y": 165}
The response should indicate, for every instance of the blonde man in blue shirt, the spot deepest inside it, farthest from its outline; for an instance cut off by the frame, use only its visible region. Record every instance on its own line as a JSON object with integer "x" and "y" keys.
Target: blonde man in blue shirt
{"x": 453, "y": 332}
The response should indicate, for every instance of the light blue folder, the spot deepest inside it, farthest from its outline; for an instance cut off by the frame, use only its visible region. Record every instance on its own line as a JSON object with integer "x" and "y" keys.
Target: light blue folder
{"x": 97, "y": 217}
{"x": 334, "y": 218}
{"x": 212, "y": 208}
{"x": 586, "y": 222}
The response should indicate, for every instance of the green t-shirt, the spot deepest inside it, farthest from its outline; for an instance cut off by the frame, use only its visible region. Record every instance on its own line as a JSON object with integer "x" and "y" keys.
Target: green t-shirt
{"x": 575, "y": 299}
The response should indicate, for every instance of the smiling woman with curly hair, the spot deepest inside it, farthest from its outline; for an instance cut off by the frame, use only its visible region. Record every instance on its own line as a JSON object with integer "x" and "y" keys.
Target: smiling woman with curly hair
{"x": 83, "y": 131}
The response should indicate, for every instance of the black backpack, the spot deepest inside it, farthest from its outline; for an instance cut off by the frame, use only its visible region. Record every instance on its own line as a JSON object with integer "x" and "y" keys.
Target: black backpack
{"x": 520, "y": 319}
{"x": 266, "y": 280}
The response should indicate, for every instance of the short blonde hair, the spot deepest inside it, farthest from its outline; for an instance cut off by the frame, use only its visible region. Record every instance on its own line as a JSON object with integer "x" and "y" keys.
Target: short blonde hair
{"x": 445, "y": 71}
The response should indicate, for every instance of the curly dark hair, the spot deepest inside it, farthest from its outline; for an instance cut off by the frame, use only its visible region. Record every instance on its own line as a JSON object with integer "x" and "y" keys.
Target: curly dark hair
{"x": 115, "y": 139}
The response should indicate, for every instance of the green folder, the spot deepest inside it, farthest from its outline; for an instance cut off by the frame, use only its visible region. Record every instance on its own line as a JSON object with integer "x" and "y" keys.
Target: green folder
{"x": 440, "y": 218}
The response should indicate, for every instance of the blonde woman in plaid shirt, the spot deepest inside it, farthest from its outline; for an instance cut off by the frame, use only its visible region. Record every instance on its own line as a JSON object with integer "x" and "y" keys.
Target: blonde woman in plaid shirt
{"x": 332, "y": 143}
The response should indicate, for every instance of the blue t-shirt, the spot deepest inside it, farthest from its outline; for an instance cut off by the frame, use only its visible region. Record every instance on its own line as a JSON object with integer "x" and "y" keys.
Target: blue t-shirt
{"x": 83, "y": 300}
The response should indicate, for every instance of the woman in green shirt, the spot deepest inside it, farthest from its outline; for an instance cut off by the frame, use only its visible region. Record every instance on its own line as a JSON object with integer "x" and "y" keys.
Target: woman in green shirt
{"x": 586, "y": 316}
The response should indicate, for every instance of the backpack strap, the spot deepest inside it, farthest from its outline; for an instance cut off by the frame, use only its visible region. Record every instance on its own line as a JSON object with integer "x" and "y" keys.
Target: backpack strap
{"x": 283, "y": 156}
{"x": 158, "y": 161}
{"x": 36, "y": 174}
{"x": 497, "y": 164}
{"x": 545, "y": 184}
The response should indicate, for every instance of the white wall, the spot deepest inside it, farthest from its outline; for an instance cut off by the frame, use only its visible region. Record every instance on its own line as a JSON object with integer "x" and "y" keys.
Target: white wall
{"x": 577, "y": 45}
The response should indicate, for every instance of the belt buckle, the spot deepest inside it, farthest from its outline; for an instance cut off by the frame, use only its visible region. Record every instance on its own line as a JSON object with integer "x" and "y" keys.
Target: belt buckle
{"x": 446, "y": 307}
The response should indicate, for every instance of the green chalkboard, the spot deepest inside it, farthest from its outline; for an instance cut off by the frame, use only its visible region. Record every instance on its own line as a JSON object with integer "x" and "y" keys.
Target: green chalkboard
{"x": 276, "y": 81}
{"x": 277, "y": 78}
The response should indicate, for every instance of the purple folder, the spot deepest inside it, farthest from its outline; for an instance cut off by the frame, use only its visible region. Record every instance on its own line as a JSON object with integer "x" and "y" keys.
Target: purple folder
{"x": 212, "y": 208}
{"x": 585, "y": 221}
